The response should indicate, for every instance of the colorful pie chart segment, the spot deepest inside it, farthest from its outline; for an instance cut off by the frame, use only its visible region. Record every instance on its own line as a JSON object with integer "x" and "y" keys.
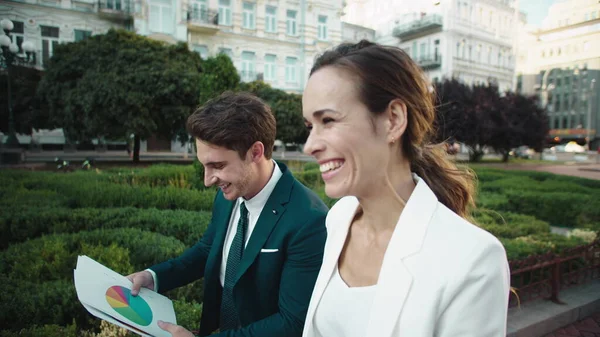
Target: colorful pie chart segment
{"x": 133, "y": 308}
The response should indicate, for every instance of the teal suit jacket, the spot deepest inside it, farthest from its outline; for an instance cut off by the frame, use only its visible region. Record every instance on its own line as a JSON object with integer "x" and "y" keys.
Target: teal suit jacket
{"x": 272, "y": 289}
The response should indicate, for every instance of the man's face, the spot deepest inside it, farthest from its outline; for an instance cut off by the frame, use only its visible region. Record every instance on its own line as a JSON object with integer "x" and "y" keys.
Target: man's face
{"x": 225, "y": 169}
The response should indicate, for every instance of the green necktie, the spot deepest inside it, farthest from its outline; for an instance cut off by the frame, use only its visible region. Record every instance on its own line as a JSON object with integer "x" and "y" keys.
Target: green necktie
{"x": 229, "y": 316}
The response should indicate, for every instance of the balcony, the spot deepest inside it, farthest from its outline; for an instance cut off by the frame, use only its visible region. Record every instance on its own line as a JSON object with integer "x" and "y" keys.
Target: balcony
{"x": 202, "y": 20}
{"x": 429, "y": 62}
{"x": 250, "y": 76}
{"x": 117, "y": 10}
{"x": 425, "y": 25}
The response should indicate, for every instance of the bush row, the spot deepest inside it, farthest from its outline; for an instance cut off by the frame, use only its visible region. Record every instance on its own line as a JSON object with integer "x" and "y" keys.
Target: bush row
{"x": 21, "y": 223}
{"x": 159, "y": 175}
{"x": 53, "y": 257}
{"x": 509, "y": 225}
{"x": 522, "y": 247}
{"x": 77, "y": 194}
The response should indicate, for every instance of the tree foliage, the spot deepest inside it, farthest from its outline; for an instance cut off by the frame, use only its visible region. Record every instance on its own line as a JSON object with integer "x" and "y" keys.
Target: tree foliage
{"x": 120, "y": 83}
{"x": 24, "y": 82}
{"x": 480, "y": 117}
{"x": 287, "y": 108}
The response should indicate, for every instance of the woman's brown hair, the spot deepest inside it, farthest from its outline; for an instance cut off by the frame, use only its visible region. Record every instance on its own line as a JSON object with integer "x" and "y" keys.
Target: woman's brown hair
{"x": 387, "y": 73}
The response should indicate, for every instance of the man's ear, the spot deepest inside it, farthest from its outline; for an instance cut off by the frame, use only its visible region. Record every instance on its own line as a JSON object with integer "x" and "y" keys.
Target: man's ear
{"x": 397, "y": 120}
{"x": 256, "y": 151}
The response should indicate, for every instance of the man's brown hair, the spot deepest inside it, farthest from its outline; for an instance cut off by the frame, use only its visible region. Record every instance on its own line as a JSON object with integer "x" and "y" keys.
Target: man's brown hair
{"x": 234, "y": 120}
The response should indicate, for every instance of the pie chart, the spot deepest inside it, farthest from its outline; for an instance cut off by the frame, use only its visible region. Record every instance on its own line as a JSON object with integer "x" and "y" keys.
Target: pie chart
{"x": 134, "y": 308}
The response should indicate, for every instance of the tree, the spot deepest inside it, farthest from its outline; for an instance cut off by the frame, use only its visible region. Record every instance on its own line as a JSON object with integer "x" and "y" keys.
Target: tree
{"x": 24, "y": 82}
{"x": 528, "y": 119}
{"x": 286, "y": 107}
{"x": 118, "y": 84}
{"x": 461, "y": 114}
{"x": 219, "y": 75}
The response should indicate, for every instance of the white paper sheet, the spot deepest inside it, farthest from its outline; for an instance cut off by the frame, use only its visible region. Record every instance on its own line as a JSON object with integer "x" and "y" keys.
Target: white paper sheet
{"x": 93, "y": 282}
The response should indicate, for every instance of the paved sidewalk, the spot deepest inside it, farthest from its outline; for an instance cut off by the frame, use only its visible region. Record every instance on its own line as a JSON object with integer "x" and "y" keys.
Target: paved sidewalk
{"x": 589, "y": 327}
{"x": 542, "y": 317}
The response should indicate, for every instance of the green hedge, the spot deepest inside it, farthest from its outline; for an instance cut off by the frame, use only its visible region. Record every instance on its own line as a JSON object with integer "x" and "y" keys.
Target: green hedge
{"x": 525, "y": 246}
{"x": 77, "y": 194}
{"x": 54, "y": 257}
{"x": 20, "y": 223}
{"x": 25, "y": 303}
{"x": 509, "y": 225}
{"x": 159, "y": 175}
{"x": 50, "y": 330}
{"x": 558, "y": 208}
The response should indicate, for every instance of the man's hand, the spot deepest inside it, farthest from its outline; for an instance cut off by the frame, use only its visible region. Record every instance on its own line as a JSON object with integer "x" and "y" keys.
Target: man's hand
{"x": 175, "y": 330}
{"x": 141, "y": 279}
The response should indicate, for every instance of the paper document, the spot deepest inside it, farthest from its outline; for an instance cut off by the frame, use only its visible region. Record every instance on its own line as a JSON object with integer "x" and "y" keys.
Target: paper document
{"x": 107, "y": 295}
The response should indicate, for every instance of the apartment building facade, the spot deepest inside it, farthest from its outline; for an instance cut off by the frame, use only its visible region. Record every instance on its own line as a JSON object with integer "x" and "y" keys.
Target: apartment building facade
{"x": 274, "y": 41}
{"x": 47, "y": 23}
{"x": 560, "y": 62}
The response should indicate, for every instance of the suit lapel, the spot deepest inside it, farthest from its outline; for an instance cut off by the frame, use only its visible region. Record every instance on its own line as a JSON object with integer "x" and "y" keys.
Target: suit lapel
{"x": 270, "y": 215}
{"x": 395, "y": 279}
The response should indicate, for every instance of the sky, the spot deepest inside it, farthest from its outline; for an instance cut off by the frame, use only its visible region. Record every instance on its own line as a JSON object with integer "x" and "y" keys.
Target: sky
{"x": 536, "y": 10}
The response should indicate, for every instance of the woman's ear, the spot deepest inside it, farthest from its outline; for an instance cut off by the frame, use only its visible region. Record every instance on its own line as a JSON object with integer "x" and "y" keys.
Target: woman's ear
{"x": 397, "y": 120}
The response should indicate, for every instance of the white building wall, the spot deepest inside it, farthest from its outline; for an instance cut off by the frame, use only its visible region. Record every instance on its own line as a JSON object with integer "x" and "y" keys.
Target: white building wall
{"x": 304, "y": 46}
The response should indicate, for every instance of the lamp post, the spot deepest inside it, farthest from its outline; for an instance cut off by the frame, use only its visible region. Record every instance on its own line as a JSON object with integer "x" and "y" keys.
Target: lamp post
{"x": 9, "y": 57}
{"x": 589, "y": 113}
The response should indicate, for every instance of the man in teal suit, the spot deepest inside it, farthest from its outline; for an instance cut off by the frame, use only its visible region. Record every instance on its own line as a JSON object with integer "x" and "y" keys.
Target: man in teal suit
{"x": 262, "y": 251}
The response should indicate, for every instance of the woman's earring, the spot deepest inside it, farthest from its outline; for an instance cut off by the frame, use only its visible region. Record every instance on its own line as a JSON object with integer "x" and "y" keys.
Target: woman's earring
{"x": 393, "y": 140}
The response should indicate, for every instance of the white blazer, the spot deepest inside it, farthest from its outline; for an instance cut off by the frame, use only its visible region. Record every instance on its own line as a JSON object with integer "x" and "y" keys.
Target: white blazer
{"x": 441, "y": 275}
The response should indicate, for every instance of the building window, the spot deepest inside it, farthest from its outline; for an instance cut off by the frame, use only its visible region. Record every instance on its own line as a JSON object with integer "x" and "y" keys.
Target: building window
{"x": 226, "y": 51}
{"x": 202, "y": 50}
{"x": 18, "y": 33}
{"x": 479, "y": 53}
{"x": 82, "y": 34}
{"x": 161, "y": 16}
{"x": 593, "y": 15}
{"x": 586, "y": 45}
{"x": 248, "y": 66}
{"x": 225, "y": 12}
{"x": 290, "y": 70}
{"x": 423, "y": 51}
{"x": 248, "y": 15}
{"x": 291, "y": 22}
{"x": 270, "y": 67}
{"x": 489, "y": 55}
{"x": 322, "y": 33}
{"x": 587, "y": 16}
{"x": 50, "y": 36}
{"x": 199, "y": 10}
{"x": 271, "y": 19}
{"x": 414, "y": 50}
{"x": 112, "y": 4}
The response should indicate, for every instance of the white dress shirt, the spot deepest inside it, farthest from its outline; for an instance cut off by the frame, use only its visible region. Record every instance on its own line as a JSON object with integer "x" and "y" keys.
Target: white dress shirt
{"x": 254, "y": 206}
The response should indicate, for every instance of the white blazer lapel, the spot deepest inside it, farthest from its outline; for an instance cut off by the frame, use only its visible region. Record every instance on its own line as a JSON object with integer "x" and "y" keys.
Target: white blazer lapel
{"x": 338, "y": 223}
{"x": 395, "y": 279}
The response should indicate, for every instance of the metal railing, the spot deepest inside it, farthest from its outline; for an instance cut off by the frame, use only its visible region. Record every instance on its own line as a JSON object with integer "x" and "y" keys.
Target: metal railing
{"x": 429, "y": 61}
{"x": 419, "y": 25}
{"x": 544, "y": 276}
{"x": 116, "y": 6}
{"x": 202, "y": 16}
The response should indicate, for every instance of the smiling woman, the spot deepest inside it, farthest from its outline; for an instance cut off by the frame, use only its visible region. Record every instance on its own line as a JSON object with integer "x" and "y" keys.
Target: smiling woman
{"x": 399, "y": 245}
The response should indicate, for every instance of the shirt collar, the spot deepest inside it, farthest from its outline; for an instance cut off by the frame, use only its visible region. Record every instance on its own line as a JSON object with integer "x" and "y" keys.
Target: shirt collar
{"x": 258, "y": 202}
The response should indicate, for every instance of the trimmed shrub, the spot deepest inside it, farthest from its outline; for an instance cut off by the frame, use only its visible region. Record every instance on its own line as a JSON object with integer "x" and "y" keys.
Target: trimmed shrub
{"x": 558, "y": 208}
{"x": 20, "y": 223}
{"x": 53, "y": 302}
{"x": 51, "y": 330}
{"x": 188, "y": 314}
{"x": 159, "y": 175}
{"x": 509, "y": 225}
{"x": 311, "y": 179}
{"x": 54, "y": 257}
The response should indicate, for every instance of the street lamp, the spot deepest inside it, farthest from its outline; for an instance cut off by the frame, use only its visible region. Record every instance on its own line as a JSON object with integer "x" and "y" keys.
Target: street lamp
{"x": 589, "y": 113}
{"x": 9, "y": 57}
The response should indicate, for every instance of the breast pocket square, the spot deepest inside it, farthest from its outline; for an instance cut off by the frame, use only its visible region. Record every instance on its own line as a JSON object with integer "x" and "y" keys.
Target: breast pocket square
{"x": 265, "y": 250}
